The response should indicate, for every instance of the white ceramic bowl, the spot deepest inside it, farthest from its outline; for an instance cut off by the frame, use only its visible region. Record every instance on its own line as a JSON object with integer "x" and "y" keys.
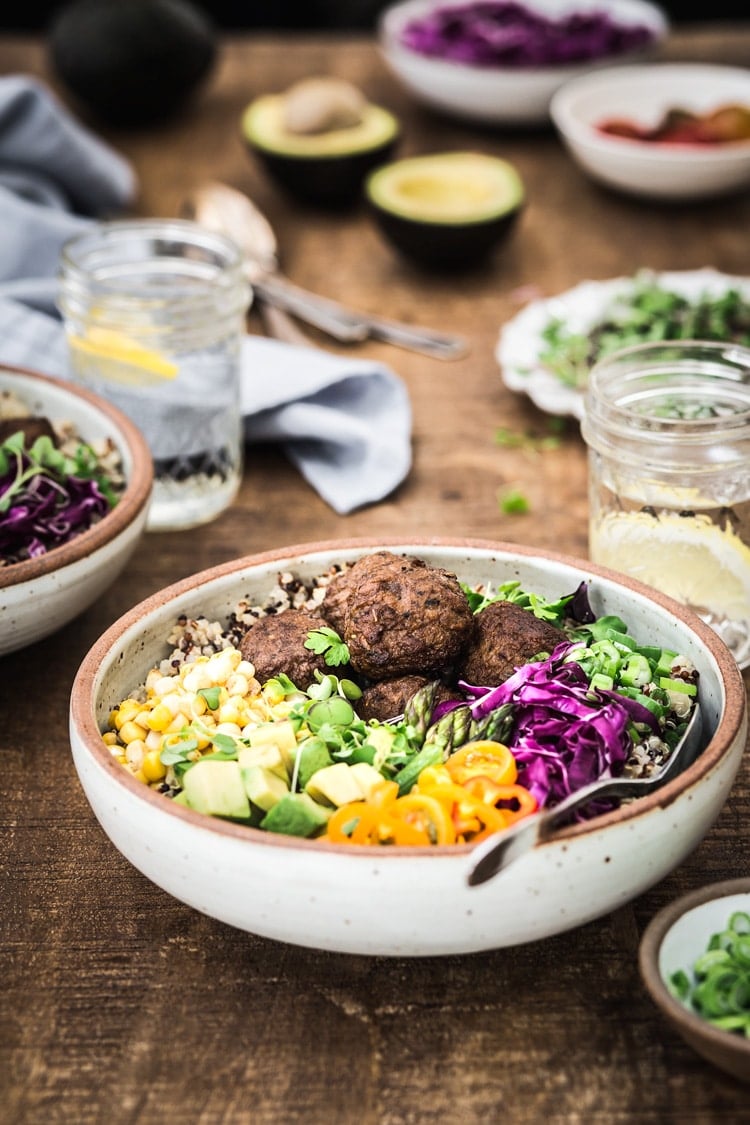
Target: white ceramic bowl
{"x": 397, "y": 900}
{"x": 642, "y": 94}
{"x": 494, "y": 95}
{"x": 673, "y": 940}
{"x": 40, "y": 595}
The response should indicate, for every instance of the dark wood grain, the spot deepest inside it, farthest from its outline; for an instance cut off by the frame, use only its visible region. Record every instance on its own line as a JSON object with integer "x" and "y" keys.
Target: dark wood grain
{"x": 117, "y": 1003}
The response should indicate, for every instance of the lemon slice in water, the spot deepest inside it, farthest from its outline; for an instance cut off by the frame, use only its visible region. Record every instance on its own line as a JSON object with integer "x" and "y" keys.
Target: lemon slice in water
{"x": 690, "y": 558}
{"x": 107, "y": 354}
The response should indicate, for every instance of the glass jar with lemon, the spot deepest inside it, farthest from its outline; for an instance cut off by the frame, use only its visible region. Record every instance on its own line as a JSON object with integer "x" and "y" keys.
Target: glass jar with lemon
{"x": 668, "y": 431}
{"x": 154, "y": 312}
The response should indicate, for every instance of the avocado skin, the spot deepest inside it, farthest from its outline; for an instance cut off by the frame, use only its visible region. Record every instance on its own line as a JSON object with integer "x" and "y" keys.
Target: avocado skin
{"x": 444, "y": 246}
{"x": 327, "y": 182}
{"x": 132, "y": 62}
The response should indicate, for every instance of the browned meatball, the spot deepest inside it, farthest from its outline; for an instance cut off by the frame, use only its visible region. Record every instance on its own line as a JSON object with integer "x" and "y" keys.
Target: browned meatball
{"x": 333, "y": 606}
{"x": 276, "y": 644}
{"x": 388, "y": 698}
{"x": 402, "y": 616}
{"x": 505, "y": 635}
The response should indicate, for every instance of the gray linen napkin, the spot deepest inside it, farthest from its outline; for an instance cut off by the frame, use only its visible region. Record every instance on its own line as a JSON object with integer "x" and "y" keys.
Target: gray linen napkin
{"x": 344, "y": 423}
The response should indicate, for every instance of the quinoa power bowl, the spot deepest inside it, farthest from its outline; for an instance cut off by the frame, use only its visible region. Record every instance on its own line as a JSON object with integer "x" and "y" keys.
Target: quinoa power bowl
{"x": 386, "y": 702}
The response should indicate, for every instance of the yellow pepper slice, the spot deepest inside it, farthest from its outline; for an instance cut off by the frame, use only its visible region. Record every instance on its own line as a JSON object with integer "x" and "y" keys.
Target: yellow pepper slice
{"x": 491, "y": 759}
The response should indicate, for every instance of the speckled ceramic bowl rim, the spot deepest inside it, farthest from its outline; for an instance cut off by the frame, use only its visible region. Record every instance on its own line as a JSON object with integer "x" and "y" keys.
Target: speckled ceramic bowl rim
{"x": 83, "y": 713}
{"x": 133, "y": 499}
{"x": 565, "y": 116}
{"x": 648, "y": 959}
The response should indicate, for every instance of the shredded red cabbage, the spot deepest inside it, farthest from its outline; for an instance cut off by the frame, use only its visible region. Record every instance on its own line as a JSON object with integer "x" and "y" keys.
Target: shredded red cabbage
{"x": 564, "y": 734}
{"x": 46, "y": 513}
{"x": 508, "y": 34}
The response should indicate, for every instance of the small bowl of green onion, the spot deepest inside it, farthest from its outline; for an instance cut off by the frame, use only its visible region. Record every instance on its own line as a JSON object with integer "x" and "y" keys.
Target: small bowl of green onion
{"x": 695, "y": 963}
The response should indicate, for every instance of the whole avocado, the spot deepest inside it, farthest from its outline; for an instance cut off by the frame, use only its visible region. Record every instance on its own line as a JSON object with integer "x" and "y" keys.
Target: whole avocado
{"x": 132, "y": 62}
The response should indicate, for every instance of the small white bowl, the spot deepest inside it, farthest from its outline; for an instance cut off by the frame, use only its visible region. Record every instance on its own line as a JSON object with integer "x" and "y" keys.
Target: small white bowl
{"x": 40, "y": 595}
{"x": 402, "y": 901}
{"x": 493, "y": 94}
{"x": 673, "y": 941}
{"x": 642, "y": 94}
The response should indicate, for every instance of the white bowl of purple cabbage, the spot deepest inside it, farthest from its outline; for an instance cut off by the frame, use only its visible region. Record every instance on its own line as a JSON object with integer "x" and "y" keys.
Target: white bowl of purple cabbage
{"x": 500, "y": 61}
{"x": 271, "y": 820}
{"x": 75, "y": 482}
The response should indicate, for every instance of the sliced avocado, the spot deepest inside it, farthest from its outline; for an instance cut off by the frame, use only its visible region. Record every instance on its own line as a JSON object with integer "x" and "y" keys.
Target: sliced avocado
{"x": 216, "y": 788}
{"x": 264, "y": 787}
{"x": 447, "y": 209}
{"x": 313, "y": 756}
{"x": 325, "y": 168}
{"x": 366, "y": 776}
{"x": 335, "y": 785}
{"x": 267, "y": 755}
{"x": 296, "y": 815}
{"x": 281, "y": 735}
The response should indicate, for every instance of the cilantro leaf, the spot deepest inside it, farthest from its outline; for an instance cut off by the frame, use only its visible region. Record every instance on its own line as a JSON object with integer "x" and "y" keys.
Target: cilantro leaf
{"x": 327, "y": 643}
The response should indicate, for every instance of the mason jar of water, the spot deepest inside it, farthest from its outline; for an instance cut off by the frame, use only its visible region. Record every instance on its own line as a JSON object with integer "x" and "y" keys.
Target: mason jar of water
{"x": 668, "y": 432}
{"x": 154, "y": 312}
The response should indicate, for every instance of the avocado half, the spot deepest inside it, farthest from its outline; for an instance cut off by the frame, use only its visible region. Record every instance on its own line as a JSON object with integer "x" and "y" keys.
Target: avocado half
{"x": 326, "y": 169}
{"x": 448, "y": 209}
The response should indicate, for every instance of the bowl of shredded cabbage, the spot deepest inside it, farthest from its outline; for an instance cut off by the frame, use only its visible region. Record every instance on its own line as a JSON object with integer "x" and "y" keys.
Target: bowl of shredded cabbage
{"x": 500, "y": 61}
{"x": 309, "y": 744}
{"x": 75, "y": 481}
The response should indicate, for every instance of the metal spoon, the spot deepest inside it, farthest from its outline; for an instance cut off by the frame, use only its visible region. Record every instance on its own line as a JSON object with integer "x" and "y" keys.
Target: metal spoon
{"x": 222, "y": 208}
{"x": 500, "y": 850}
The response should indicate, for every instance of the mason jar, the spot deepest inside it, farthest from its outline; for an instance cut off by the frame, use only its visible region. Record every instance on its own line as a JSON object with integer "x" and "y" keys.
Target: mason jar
{"x": 154, "y": 312}
{"x": 667, "y": 427}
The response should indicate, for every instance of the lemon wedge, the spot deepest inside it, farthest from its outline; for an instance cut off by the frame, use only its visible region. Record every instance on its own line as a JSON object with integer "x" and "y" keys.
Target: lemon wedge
{"x": 689, "y": 558}
{"x": 107, "y": 354}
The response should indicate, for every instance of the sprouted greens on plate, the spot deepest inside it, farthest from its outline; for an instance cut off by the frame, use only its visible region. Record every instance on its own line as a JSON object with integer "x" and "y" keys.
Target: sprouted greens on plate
{"x": 645, "y": 312}
{"x": 295, "y": 719}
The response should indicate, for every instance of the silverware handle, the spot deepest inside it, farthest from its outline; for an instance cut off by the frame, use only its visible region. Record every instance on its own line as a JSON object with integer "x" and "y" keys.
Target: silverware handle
{"x": 351, "y": 326}
{"x": 321, "y": 313}
{"x": 418, "y": 339}
{"x": 501, "y": 849}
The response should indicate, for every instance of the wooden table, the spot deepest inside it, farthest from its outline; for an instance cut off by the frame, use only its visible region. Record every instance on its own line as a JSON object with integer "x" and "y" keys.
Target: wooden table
{"x": 120, "y": 1004}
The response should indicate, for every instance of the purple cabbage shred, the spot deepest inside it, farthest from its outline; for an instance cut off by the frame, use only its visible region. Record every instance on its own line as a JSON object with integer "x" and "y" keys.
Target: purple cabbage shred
{"x": 504, "y": 33}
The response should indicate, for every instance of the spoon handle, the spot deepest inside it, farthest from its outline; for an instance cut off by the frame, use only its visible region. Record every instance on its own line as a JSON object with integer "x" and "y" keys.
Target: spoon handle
{"x": 321, "y": 313}
{"x": 350, "y": 326}
{"x": 501, "y": 849}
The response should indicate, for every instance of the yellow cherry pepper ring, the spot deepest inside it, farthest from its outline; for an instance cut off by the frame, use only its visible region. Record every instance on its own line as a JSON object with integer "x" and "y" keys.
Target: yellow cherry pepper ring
{"x": 491, "y": 759}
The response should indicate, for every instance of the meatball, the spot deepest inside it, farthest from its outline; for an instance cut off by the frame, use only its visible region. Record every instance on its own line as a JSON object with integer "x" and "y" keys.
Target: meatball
{"x": 388, "y": 698}
{"x": 401, "y": 616}
{"x": 505, "y": 636}
{"x": 333, "y": 606}
{"x": 276, "y": 643}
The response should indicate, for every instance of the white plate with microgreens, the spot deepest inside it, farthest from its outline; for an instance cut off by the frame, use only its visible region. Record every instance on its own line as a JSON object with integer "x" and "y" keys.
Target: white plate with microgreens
{"x": 548, "y": 348}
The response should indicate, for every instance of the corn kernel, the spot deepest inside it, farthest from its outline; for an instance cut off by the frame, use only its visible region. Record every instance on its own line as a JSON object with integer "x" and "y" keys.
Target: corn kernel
{"x": 245, "y": 668}
{"x": 172, "y": 701}
{"x": 159, "y": 718}
{"x": 177, "y": 723}
{"x": 110, "y": 738}
{"x": 232, "y": 712}
{"x": 273, "y": 693}
{"x": 197, "y": 677}
{"x": 152, "y": 766}
{"x": 131, "y": 732}
{"x": 127, "y": 710}
{"x": 198, "y": 706}
{"x": 238, "y": 684}
{"x": 135, "y": 753}
{"x": 163, "y": 686}
{"x": 154, "y": 740}
{"x": 139, "y": 775}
